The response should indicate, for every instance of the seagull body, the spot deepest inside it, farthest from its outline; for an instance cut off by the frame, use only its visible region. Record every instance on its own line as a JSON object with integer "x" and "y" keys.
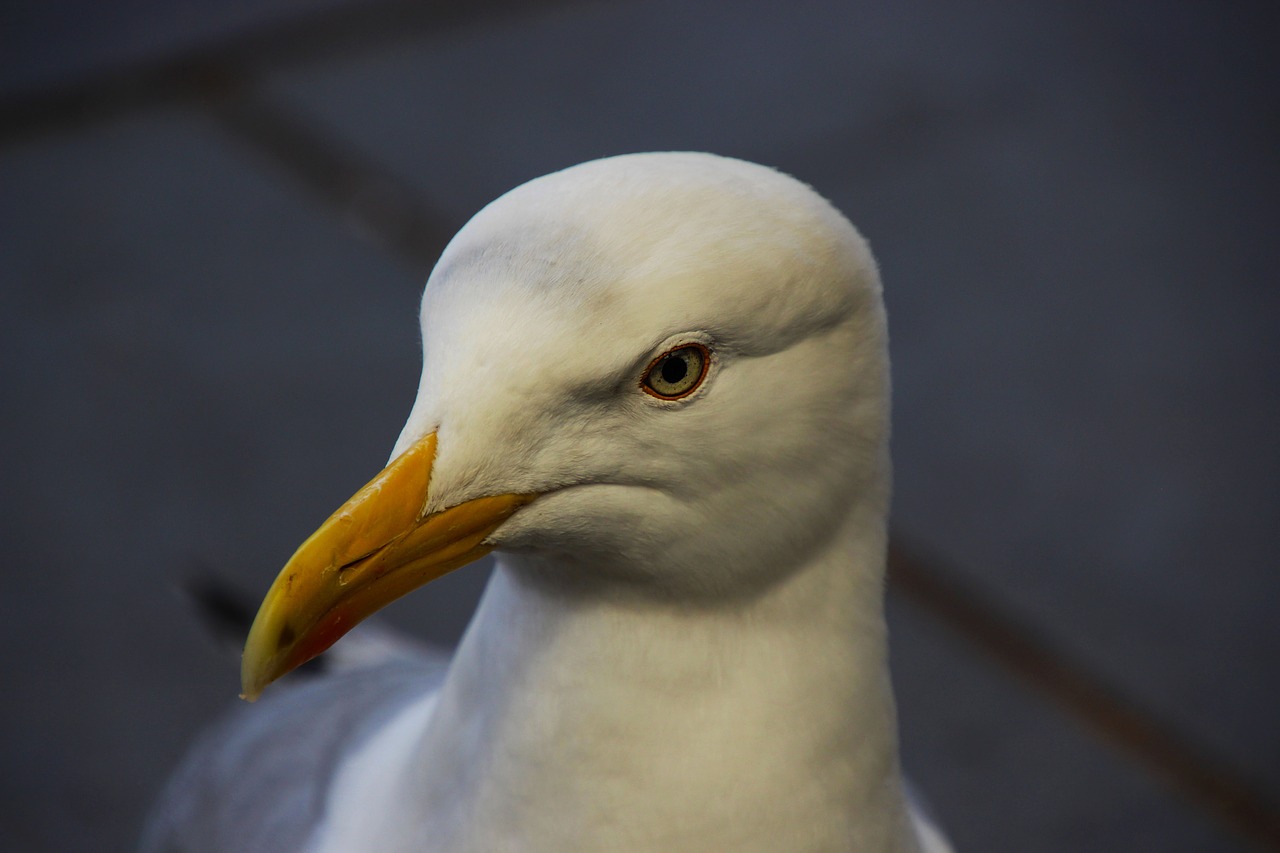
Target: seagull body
{"x": 657, "y": 386}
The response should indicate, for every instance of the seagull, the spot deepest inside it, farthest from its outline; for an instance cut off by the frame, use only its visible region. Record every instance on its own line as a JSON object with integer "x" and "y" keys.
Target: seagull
{"x": 656, "y": 387}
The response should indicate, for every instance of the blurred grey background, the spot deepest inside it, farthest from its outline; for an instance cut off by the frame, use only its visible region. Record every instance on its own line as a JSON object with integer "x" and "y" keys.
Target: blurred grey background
{"x": 216, "y": 217}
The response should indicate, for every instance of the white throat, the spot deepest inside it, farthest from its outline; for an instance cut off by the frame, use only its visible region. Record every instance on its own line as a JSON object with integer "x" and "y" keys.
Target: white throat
{"x": 593, "y": 724}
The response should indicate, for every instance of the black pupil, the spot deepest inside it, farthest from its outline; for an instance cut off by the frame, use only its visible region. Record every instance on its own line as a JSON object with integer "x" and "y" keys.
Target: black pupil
{"x": 674, "y": 368}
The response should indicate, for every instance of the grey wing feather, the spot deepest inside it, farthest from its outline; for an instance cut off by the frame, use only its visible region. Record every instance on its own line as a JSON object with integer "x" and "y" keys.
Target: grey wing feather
{"x": 256, "y": 782}
{"x": 929, "y": 834}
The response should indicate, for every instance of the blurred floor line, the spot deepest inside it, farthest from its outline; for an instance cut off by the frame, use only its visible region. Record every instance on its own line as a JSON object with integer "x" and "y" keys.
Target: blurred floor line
{"x": 191, "y": 74}
{"x": 380, "y": 207}
{"x": 1220, "y": 790}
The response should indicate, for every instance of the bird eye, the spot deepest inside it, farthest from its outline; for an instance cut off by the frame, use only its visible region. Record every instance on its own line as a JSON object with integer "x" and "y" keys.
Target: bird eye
{"x": 677, "y": 373}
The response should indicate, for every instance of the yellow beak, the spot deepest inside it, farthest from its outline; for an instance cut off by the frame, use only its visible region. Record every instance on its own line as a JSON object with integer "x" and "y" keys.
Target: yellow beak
{"x": 377, "y": 547}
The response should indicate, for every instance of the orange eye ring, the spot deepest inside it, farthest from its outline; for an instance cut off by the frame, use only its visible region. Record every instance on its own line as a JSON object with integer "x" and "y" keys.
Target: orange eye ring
{"x": 678, "y": 372}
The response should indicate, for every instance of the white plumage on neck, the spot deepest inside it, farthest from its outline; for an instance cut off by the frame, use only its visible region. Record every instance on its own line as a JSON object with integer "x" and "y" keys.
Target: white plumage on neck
{"x": 575, "y": 724}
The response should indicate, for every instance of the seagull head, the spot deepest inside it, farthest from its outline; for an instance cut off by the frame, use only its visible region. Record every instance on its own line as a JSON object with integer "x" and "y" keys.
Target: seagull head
{"x": 653, "y": 375}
